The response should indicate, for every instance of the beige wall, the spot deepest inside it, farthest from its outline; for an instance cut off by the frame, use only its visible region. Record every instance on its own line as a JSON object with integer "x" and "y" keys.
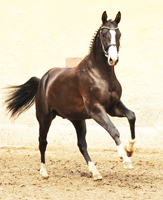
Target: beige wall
{"x": 38, "y": 35}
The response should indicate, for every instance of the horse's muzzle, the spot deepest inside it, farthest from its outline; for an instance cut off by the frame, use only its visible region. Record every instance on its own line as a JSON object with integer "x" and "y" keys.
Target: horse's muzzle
{"x": 112, "y": 62}
{"x": 112, "y": 56}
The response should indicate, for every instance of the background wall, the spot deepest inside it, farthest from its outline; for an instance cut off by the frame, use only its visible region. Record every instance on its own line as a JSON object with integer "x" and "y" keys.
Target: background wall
{"x": 36, "y": 35}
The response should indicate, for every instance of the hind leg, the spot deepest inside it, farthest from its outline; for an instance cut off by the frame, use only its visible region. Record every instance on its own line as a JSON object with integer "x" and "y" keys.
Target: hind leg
{"x": 44, "y": 118}
{"x": 45, "y": 115}
{"x": 80, "y": 127}
{"x": 43, "y": 131}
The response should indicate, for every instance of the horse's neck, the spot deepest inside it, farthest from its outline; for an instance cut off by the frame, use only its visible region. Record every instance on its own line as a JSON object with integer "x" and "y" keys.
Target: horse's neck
{"x": 99, "y": 60}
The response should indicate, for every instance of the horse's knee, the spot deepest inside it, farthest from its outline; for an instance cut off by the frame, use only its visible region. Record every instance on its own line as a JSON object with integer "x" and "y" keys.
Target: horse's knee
{"x": 82, "y": 147}
{"x": 131, "y": 116}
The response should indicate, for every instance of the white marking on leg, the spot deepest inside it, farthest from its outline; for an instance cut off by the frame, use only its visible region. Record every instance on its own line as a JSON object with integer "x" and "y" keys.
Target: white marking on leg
{"x": 126, "y": 160}
{"x": 130, "y": 146}
{"x": 121, "y": 151}
{"x": 92, "y": 168}
{"x": 43, "y": 171}
{"x": 94, "y": 171}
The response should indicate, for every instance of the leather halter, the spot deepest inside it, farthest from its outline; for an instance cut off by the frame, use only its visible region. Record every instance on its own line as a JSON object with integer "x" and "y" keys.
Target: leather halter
{"x": 103, "y": 48}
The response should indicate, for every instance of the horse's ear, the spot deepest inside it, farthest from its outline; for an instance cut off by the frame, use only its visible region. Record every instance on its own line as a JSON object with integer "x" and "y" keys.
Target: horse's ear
{"x": 118, "y": 17}
{"x": 104, "y": 17}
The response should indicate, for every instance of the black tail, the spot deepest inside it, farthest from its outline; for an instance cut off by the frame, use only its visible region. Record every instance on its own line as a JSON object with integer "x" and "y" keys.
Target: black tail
{"x": 22, "y": 97}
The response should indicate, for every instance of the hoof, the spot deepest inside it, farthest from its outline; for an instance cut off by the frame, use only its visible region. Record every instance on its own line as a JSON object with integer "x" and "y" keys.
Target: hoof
{"x": 129, "y": 153}
{"x": 97, "y": 177}
{"x": 127, "y": 165}
{"x": 44, "y": 175}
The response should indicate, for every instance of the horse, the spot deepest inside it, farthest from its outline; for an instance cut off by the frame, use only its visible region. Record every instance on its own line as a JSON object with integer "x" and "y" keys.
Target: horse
{"x": 90, "y": 90}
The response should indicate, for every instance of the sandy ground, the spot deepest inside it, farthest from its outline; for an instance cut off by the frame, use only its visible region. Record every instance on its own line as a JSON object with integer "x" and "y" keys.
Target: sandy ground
{"x": 35, "y": 38}
{"x": 70, "y": 178}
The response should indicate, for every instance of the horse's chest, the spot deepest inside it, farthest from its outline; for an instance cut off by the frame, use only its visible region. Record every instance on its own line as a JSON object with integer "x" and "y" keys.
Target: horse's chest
{"x": 108, "y": 99}
{"x": 105, "y": 96}
{"x": 114, "y": 96}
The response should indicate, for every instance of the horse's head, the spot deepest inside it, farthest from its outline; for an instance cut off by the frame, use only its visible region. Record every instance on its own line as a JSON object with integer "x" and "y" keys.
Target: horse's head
{"x": 110, "y": 38}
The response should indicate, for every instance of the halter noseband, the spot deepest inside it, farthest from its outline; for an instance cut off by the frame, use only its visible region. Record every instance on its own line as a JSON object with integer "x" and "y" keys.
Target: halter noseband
{"x": 103, "y": 48}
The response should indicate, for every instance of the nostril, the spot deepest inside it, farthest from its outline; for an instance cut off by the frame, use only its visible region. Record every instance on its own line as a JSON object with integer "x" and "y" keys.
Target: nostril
{"x": 116, "y": 61}
{"x": 110, "y": 60}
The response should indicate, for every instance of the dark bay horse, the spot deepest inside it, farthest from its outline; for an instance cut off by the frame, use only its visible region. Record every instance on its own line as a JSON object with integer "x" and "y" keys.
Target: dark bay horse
{"x": 90, "y": 90}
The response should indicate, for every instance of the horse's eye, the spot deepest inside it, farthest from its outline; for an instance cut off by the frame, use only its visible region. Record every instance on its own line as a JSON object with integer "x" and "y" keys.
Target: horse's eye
{"x": 104, "y": 35}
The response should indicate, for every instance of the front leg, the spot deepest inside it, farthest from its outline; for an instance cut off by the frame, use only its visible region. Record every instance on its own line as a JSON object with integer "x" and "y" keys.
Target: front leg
{"x": 80, "y": 127}
{"x": 121, "y": 111}
{"x": 99, "y": 114}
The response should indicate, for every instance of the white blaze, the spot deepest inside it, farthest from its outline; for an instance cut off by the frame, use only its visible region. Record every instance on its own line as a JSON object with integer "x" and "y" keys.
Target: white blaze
{"x": 112, "y": 51}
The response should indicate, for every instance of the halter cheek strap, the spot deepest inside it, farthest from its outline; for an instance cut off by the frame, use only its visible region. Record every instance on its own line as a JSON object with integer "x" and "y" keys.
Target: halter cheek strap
{"x": 103, "y": 48}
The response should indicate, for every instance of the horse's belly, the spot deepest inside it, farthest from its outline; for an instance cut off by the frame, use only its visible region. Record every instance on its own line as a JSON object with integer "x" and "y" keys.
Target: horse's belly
{"x": 73, "y": 113}
{"x": 69, "y": 107}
